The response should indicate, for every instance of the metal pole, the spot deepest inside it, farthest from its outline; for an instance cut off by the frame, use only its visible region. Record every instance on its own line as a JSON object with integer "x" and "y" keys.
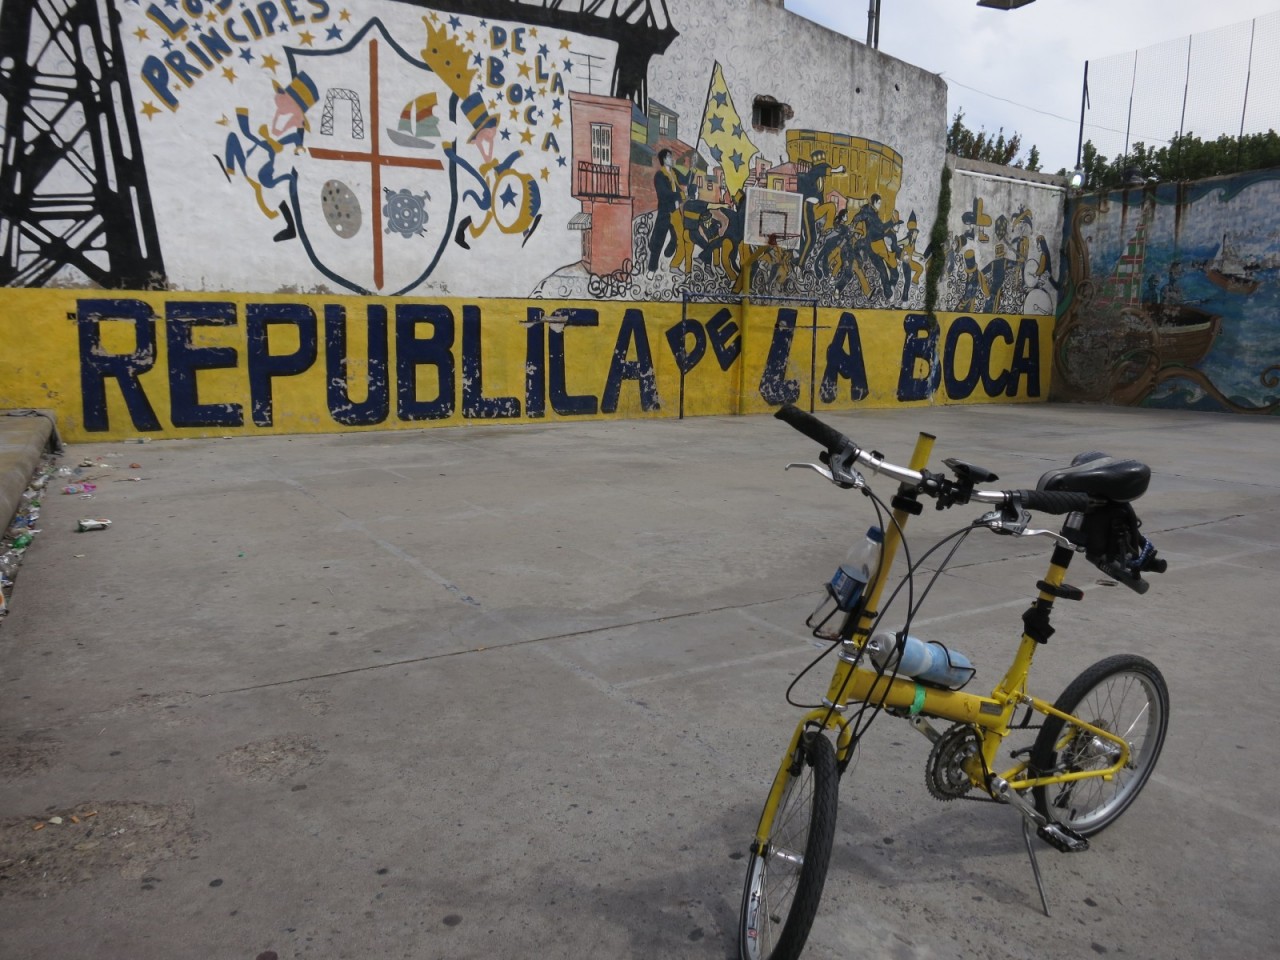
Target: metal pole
{"x": 1128, "y": 123}
{"x": 1084, "y": 100}
{"x": 1245, "y": 106}
{"x": 871, "y": 21}
{"x": 877, "y": 44}
{"x": 1186, "y": 85}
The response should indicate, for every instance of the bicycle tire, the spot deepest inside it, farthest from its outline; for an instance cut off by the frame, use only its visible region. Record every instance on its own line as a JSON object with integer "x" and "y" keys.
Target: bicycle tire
{"x": 782, "y": 889}
{"x": 1126, "y": 695}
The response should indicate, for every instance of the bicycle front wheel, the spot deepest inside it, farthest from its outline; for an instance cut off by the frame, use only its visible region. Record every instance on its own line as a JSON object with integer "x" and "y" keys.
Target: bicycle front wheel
{"x": 1125, "y": 695}
{"x": 786, "y": 875}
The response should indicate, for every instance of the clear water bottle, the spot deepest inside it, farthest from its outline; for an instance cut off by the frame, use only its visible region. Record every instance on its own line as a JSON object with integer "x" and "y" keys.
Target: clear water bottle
{"x": 928, "y": 661}
{"x": 857, "y": 569}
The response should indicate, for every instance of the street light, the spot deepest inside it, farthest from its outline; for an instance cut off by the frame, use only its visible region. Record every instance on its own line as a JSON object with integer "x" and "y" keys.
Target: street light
{"x": 1004, "y": 4}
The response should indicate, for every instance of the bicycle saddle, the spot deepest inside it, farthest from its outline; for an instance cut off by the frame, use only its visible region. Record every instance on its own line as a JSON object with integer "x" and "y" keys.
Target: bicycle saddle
{"x": 1101, "y": 476}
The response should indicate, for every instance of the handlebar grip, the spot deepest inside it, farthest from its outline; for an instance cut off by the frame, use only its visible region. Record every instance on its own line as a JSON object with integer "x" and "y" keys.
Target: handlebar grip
{"x": 812, "y": 427}
{"x": 1052, "y": 501}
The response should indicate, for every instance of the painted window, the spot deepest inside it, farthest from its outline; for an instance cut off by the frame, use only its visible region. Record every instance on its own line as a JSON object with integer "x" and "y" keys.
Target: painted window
{"x": 602, "y": 143}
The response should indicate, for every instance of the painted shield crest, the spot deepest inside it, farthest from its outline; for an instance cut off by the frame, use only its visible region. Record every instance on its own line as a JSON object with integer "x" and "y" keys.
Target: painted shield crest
{"x": 374, "y": 195}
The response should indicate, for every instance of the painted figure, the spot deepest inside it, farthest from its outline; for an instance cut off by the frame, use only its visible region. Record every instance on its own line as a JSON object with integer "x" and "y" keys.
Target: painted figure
{"x": 257, "y": 161}
{"x": 812, "y": 186}
{"x": 667, "y": 184}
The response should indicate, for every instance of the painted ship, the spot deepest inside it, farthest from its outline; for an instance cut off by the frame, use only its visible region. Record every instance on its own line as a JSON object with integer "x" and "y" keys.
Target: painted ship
{"x": 1184, "y": 333}
{"x": 1228, "y": 271}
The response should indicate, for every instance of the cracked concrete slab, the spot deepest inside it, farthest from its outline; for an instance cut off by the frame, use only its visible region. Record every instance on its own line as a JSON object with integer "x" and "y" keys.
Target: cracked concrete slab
{"x": 478, "y": 691}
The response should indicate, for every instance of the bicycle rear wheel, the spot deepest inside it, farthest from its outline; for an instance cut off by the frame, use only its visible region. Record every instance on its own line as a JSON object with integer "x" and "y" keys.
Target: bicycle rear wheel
{"x": 785, "y": 877}
{"x": 1125, "y": 695}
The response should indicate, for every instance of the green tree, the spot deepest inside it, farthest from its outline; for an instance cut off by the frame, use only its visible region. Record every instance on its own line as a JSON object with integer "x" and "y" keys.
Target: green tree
{"x": 1184, "y": 157}
{"x": 963, "y": 142}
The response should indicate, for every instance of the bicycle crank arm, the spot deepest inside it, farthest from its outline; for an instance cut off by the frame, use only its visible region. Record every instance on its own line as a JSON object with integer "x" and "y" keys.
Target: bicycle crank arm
{"x": 1055, "y": 834}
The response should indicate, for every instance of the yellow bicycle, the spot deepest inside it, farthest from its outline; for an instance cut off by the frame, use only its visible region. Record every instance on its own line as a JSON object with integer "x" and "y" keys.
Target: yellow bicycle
{"x": 1097, "y": 743}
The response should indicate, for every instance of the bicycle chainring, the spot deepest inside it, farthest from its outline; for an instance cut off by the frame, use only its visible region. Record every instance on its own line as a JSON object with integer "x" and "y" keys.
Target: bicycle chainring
{"x": 944, "y": 772}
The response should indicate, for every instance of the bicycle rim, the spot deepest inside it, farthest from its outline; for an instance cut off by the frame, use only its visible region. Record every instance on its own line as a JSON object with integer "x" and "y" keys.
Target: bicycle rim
{"x": 785, "y": 879}
{"x": 1124, "y": 696}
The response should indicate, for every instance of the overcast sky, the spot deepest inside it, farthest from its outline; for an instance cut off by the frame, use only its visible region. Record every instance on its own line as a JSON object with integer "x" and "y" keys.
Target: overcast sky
{"x": 1022, "y": 69}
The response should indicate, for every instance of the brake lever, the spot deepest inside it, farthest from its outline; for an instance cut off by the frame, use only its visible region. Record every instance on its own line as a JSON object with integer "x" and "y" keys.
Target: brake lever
{"x": 840, "y": 475}
{"x": 1000, "y": 522}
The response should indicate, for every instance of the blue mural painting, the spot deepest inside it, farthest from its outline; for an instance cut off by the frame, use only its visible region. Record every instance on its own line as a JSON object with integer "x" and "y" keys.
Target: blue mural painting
{"x": 1174, "y": 297}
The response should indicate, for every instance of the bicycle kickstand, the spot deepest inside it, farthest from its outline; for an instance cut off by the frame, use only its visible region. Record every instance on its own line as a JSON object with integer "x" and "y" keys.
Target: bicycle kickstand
{"x": 1055, "y": 834}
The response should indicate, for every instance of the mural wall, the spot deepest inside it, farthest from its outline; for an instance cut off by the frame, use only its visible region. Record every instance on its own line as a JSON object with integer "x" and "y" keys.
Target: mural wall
{"x": 1173, "y": 297}
{"x": 320, "y": 157}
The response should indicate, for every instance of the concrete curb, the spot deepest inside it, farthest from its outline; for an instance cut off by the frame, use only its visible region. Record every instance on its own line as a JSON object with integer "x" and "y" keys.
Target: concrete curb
{"x": 24, "y": 437}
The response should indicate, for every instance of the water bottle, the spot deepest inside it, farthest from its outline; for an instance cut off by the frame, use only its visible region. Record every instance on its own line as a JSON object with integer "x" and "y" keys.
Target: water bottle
{"x": 857, "y": 569}
{"x": 930, "y": 662}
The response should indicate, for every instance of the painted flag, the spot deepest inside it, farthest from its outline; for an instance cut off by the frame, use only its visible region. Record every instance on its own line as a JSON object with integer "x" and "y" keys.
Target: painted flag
{"x": 723, "y": 133}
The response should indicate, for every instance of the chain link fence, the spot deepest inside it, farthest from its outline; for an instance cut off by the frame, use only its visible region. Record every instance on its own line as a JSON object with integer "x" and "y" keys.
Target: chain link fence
{"x": 1219, "y": 82}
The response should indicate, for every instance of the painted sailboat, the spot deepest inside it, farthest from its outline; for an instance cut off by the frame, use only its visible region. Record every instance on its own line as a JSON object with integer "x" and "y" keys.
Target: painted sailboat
{"x": 418, "y": 124}
{"x": 1228, "y": 271}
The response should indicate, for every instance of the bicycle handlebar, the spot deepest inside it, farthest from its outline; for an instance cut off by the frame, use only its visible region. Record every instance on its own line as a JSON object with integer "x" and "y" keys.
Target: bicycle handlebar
{"x": 836, "y": 443}
{"x": 814, "y": 429}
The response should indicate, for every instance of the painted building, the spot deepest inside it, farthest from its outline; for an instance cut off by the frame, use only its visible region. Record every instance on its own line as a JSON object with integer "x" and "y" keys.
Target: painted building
{"x": 304, "y": 215}
{"x": 1171, "y": 298}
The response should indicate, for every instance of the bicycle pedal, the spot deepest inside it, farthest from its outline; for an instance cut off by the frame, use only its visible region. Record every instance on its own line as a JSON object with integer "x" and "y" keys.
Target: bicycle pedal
{"x": 1062, "y": 838}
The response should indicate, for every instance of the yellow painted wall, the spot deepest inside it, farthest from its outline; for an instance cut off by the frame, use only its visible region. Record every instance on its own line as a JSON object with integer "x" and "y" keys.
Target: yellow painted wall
{"x": 245, "y": 364}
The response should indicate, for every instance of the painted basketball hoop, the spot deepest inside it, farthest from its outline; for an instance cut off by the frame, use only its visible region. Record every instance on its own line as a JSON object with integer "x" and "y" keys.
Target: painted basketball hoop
{"x": 773, "y": 218}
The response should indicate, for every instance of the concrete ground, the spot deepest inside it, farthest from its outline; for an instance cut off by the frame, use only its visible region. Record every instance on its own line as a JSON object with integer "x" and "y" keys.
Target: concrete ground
{"x": 519, "y": 692}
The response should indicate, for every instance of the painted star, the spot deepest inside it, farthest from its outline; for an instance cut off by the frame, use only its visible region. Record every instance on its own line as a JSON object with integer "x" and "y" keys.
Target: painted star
{"x": 171, "y": 4}
{"x": 737, "y": 130}
{"x": 506, "y": 54}
{"x": 543, "y": 51}
{"x": 471, "y": 36}
{"x": 560, "y": 161}
{"x": 149, "y": 109}
{"x": 223, "y": 121}
{"x": 269, "y": 62}
{"x": 717, "y": 124}
{"x": 557, "y": 120}
{"x": 721, "y": 98}
{"x": 564, "y": 43}
{"x": 717, "y": 154}
{"x": 736, "y": 157}
{"x": 435, "y": 17}
{"x": 484, "y": 24}
{"x": 546, "y": 174}
{"x": 515, "y": 114}
{"x": 167, "y": 44}
{"x": 229, "y": 74}
{"x": 344, "y": 15}
{"x": 556, "y": 104}
{"x": 141, "y": 33}
{"x": 306, "y": 38}
{"x": 455, "y": 22}
{"x": 498, "y": 95}
{"x": 526, "y": 136}
{"x": 211, "y": 17}
{"x": 508, "y": 196}
{"x": 568, "y": 66}
{"x": 477, "y": 60}
{"x": 524, "y": 69}
{"x": 505, "y": 134}
{"x": 246, "y": 55}
{"x": 533, "y": 31}
{"x": 528, "y": 93}
{"x": 333, "y": 33}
